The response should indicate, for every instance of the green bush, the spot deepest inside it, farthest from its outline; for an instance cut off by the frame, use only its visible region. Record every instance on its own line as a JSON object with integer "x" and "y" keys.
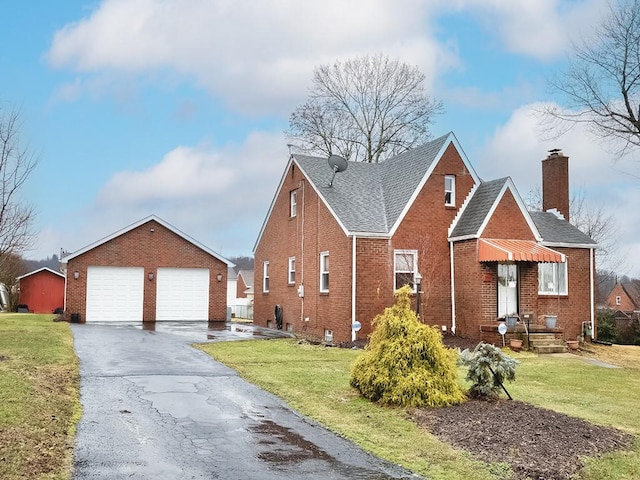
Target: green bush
{"x": 405, "y": 362}
{"x": 606, "y": 326}
{"x": 489, "y": 367}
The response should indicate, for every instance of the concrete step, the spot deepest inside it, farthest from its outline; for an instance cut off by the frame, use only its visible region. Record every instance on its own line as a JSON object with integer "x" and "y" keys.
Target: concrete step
{"x": 542, "y": 349}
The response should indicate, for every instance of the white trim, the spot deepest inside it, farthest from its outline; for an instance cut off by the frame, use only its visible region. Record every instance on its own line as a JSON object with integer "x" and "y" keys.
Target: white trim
{"x": 451, "y": 139}
{"x": 557, "y": 280}
{"x": 139, "y": 223}
{"x": 452, "y": 203}
{"x": 290, "y": 271}
{"x": 414, "y": 254}
{"x": 324, "y": 254}
{"x": 60, "y": 274}
{"x": 265, "y": 276}
{"x": 354, "y": 334}
{"x": 293, "y": 203}
{"x": 453, "y": 290}
{"x": 568, "y": 245}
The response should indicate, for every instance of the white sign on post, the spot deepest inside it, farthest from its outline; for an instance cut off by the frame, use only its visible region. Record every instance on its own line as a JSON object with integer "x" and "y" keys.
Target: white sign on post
{"x": 502, "y": 329}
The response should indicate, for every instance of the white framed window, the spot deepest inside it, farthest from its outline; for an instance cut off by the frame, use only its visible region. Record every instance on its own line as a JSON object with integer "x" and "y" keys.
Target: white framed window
{"x": 265, "y": 277}
{"x": 328, "y": 336}
{"x": 324, "y": 272}
{"x": 449, "y": 190}
{"x": 293, "y": 203}
{"x": 618, "y": 300}
{"x": 405, "y": 268}
{"x": 552, "y": 279}
{"x": 291, "y": 277}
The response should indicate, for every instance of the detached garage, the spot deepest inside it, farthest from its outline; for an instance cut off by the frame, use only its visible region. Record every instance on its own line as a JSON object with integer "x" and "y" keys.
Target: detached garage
{"x": 147, "y": 271}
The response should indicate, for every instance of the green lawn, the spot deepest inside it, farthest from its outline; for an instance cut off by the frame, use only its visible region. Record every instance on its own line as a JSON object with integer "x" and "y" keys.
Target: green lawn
{"x": 39, "y": 397}
{"x": 315, "y": 381}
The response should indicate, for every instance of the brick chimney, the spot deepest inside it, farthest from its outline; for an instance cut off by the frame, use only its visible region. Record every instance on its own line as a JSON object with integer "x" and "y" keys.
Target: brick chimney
{"x": 555, "y": 183}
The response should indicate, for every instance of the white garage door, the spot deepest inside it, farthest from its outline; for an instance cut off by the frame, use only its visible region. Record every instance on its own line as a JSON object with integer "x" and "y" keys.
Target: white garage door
{"x": 115, "y": 294}
{"x": 182, "y": 294}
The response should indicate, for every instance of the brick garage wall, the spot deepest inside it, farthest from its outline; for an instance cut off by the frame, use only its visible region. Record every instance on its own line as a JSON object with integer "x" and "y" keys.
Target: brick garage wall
{"x": 424, "y": 228}
{"x": 151, "y": 246}
{"x": 281, "y": 239}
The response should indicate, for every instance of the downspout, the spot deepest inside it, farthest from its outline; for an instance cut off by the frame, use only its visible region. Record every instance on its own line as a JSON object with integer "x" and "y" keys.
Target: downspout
{"x": 354, "y": 334}
{"x": 302, "y": 256}
{"x": 592, "y": 293}
{"x": 453, "y": 291}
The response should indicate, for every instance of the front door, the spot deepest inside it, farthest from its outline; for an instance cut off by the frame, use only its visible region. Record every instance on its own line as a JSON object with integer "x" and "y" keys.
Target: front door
{"x": 507, "y": 289}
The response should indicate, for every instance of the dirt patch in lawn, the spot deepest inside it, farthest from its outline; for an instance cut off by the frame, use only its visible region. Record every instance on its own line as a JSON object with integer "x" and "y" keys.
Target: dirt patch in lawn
{"x": 537, "y": 443}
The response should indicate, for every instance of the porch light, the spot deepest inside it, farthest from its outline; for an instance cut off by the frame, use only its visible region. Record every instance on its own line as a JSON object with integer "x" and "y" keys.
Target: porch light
{"x": 76, "y": 274}
{"x": 219, "y": 277}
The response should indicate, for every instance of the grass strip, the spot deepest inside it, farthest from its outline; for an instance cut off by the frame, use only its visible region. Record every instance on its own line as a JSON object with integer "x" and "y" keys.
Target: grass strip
{"x": 39, "y": 397}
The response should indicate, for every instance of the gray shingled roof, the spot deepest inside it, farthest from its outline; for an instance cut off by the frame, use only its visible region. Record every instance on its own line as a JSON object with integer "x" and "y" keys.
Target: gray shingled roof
{"x": 369, "y": 197}
{"x": 557, "y": 230}
{"x": 478, "y": 208}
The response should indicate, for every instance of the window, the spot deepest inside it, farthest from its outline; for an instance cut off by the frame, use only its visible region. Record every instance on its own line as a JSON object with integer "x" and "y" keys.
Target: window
{"x": 552, "y": 278}
{"x": 405, "y": 268}
{"x": 618, "y": 300}
{"x": 328, "y": 336}
{"x": 291, "y": 278}
{"x": 265, "y": 277}
{"x": 324, "y": 272}
{"x": 293, "y": 203}
{"x": 449, "y": 191}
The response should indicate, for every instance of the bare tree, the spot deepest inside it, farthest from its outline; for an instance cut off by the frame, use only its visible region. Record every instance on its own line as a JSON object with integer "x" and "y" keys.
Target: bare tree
{"x": 16, "y": 164}
{"x": 11, "y": 267}
{"x": 601, "y": 87}
{"x": 365, "y": 109}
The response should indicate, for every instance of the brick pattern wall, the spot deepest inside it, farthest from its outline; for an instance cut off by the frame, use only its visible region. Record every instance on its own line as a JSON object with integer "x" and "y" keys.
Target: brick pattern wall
{"x": 150, "y": 246}
{"x": 626, "y": 303}
{"x": 241, "y": 287}
{"x": 283, "y": 238}
{"x": 425, "y": 229}
{"x": 555, "y": 184}
{"x": 507, "y": 221}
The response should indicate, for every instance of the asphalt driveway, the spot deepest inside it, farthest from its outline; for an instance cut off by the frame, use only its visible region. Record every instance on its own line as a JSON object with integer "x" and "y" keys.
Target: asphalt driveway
{"x": 156, "y": 408}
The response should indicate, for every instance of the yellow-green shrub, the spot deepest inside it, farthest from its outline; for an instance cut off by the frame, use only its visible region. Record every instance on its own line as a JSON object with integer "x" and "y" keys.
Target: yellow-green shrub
{"x": 405, "y": 362}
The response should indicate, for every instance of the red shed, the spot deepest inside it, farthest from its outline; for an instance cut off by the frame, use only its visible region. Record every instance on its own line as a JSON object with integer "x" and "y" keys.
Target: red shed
{"x": 42, "y": 290}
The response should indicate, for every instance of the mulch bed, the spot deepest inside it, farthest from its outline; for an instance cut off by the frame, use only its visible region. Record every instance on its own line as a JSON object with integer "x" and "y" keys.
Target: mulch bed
{"x": 536, "y": 442}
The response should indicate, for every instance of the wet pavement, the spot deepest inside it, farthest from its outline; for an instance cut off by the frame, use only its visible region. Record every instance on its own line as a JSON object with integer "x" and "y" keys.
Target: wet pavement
{"x": 156, "y": 408}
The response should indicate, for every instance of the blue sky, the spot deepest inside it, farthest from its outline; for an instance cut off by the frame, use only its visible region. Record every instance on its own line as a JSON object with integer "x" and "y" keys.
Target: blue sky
{"x": 173, "y": 108}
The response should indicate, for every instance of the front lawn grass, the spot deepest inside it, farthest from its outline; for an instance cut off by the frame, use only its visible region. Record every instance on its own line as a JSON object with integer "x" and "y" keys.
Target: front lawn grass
{"x": 315, "y": 381}
{"x": 39, "y": 397}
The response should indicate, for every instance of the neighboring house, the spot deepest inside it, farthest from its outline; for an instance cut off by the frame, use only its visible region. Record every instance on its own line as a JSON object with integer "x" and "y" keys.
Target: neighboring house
{"x": 42, "y": 291}
{"x": 147, "y": 271}
{"x": 625, "y": 298}
{"x": 244, "y": 295}
{"x": 232, "y": 280}
{"x": 333, "y": 249}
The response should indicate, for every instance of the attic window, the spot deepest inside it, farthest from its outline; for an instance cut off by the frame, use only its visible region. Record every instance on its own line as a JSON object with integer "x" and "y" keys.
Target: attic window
{"x": 449, "y": 191}
{"x": 618, "y": 300}
{"x": 293, "y": 204}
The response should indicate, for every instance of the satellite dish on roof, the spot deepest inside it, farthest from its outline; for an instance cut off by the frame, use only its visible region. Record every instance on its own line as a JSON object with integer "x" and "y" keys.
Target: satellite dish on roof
{"x": 337, "y": 164}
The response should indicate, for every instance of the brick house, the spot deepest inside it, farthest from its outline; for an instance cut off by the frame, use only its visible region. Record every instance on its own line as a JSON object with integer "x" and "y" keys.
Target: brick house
{"x": 244, "y": 284}
{"x": 333, "y": 249}
{"x": 42, "y": 290}
{"x": 624, "y": 300}
{"x": 145, "y": 272}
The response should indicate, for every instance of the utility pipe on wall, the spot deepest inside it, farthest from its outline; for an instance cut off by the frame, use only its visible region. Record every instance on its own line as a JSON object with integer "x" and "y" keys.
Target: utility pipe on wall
{"x": 353, "y": 288}
{"x": 453, "y": 291}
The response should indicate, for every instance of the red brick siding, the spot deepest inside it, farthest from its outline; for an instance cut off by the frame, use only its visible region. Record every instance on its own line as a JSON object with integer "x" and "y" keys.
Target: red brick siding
{"x": 424, "y": 228}
{"x": 626, "y": 303}
{"x": 555, "y": 184}
{"x": 241, "y": 287}
{"x": 507, "y": 221}
{"x": 281, "y": 239}
{"x": 142, "y": 247}
{"x": 476, "y": 292}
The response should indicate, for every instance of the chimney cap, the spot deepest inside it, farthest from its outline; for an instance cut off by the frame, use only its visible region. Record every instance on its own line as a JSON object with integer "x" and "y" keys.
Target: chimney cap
{"x": 555, "y": 152}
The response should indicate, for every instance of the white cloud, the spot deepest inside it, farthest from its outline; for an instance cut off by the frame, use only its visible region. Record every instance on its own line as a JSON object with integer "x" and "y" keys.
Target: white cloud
{"x": 255, "y": 55}
{"x": 218, "y": 196}
{"x": 516, "y": 149}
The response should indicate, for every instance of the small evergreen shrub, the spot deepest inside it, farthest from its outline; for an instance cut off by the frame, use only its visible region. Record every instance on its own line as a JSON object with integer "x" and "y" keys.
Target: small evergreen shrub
{"x": 606, "y": 329}
{"x": 405, "y": 362}
{"x": 481, "y": 361}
